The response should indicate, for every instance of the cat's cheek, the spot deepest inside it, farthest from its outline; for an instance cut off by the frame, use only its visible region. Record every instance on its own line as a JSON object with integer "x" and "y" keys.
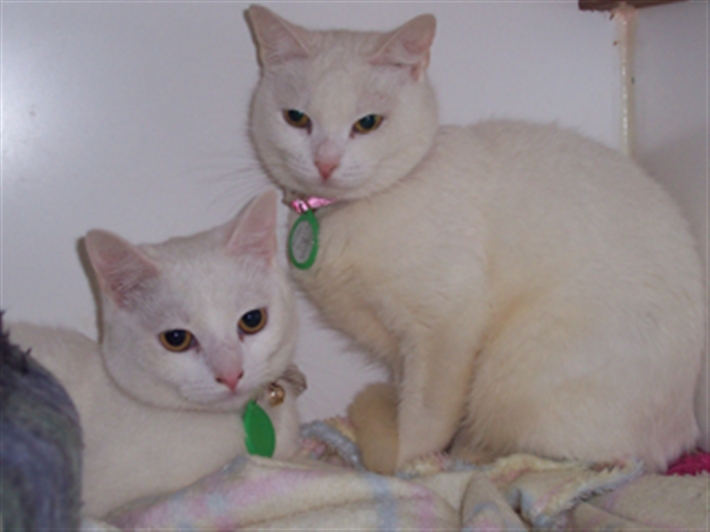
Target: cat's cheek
{"x": 308, "y": 162}
{"x": 292, "y": 170}
{"x": 251, "y": 384}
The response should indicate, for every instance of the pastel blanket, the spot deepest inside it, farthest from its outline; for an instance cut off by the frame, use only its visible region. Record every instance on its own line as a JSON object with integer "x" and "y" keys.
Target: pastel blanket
{"x": 327, "y": 489}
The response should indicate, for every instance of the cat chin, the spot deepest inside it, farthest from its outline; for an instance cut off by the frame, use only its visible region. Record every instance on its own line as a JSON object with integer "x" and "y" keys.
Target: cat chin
{"x": 333, "y": 190}
{"x": 223, "y": 401}
{"x": 232, "y": 403}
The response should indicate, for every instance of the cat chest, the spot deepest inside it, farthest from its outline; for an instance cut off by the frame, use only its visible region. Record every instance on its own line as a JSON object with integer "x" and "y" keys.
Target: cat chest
{"x": 371, "y": 256}
{"x": 348, "y": 265}
{"x": 376, "y": 276}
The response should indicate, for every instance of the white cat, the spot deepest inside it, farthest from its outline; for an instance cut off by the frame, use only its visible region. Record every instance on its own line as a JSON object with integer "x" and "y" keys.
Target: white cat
{"x": 193, "y": 328}
{"x": 528, "y": 289}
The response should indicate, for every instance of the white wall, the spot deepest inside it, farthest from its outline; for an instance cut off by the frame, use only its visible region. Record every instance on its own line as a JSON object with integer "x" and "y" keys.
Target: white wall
{"x": 672, "y": 122}
{"x": 131, "y": 117}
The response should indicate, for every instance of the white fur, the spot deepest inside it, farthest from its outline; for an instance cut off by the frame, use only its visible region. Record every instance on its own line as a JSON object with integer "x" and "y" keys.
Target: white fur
{"x": 153, "y": 420}
{"x": 529, "y": 289}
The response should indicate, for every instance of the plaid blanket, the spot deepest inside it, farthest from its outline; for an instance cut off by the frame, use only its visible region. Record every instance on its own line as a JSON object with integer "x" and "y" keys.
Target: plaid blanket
{"x": 326, "y": 488}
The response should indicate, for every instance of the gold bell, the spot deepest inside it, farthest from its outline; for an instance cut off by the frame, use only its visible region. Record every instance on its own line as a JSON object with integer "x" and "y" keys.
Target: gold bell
{"x": 276, "y": 394}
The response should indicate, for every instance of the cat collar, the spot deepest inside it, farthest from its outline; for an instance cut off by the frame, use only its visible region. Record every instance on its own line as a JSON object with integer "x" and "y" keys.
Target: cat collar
{"x": 310, "y": 203}
{"x": 303, "y": 238}
{"x": 259, "y": 433}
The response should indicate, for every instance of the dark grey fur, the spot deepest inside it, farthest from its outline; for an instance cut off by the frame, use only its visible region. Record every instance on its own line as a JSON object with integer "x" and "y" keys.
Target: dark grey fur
{"x": 40, "y": 446}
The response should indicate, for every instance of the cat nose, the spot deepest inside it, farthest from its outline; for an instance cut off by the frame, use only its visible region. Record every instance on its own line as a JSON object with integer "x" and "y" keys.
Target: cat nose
{"x": 326, "y": 168}
{"x": 230, "y": 381}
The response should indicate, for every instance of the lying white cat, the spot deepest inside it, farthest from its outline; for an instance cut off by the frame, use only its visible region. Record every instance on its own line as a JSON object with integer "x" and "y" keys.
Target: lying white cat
{"x": 193, "y": 329}
{"x": 528, "y": 289}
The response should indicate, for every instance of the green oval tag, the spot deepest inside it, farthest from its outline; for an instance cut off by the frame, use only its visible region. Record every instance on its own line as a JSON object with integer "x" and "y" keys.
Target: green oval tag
{"x": 303, "y": 241}
{"x": 259, "y": 433}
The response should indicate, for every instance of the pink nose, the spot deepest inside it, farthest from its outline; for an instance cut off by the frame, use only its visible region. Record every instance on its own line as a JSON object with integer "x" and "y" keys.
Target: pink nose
{"x": 326, "y": 168}
{"x": 230, "y": 381}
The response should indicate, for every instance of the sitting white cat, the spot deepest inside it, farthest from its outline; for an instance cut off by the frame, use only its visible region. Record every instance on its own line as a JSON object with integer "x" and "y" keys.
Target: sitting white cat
{"x": 193, "y": 329}
{"x": 528, "y": 289}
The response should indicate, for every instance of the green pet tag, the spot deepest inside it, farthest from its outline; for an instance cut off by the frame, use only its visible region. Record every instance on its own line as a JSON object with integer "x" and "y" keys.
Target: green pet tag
{"x": 303, "y": 241}
{"x": 259, "y": 434}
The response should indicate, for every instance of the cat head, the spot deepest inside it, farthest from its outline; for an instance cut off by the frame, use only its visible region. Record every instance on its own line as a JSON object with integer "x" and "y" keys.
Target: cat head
{"x": 199, "y": 322}
{"x": 341, "y": 114}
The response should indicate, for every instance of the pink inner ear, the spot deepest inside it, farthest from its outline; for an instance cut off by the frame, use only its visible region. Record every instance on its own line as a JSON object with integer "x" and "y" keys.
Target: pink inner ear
{"x": 277, "y": 40}
{"x": 121, "y": 268}
{"x": 255, "y": 233}
{"x": 409, "y": 45}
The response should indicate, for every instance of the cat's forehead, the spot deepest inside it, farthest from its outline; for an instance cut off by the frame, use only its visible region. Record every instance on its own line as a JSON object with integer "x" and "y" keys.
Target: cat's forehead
{"x": 217, "y": 283}
{"x": 180, "y": 247}
{"x": 338, "y": 80}
{"x": 340, "y": 46}
{"x": 203, "y": 263}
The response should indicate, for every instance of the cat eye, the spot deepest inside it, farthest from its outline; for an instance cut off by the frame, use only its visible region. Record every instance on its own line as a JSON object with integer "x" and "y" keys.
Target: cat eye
{"x": 297, "y": 119}
{"x": 367, "y": 124}
{"x": 253, "y": 321}
{"x": 177, "y": 340}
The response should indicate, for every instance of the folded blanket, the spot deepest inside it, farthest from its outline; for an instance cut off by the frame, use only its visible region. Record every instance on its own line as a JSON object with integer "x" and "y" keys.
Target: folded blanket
{"x": 327, "y": 489}
{"x": 652, "y": 502}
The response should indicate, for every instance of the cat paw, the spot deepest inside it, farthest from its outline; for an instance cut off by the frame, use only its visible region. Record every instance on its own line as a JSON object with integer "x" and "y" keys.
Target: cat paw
{"x": 472, "y": 455}
{"x": 373, "y": 414}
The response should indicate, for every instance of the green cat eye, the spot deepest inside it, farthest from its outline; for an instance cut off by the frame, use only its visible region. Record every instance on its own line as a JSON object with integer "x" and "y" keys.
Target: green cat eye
{"x": 367, "y": 124}
{"x": 177, "y": 340}
{"x": 297, "y": 119}
{"x": 253, "y": 321}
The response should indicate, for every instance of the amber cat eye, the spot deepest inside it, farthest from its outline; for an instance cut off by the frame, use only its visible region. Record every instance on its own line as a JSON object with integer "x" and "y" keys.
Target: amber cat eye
{"x": 177, "y": 340}
{"x": 367, "y": 124}
{"x": 297, "y": 119}
{"x": 253, "y": 321}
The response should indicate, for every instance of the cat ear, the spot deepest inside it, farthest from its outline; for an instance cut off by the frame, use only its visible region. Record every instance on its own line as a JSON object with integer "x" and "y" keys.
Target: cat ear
{"x": 120, "y": 266}
{"x": 255, "y": 231}
{"x": 408, "y": 46}
{"x": 276, "y": 40}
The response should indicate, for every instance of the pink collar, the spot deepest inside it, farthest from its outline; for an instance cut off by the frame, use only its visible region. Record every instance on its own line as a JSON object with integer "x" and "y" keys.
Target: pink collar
{"x": 309, "y": 203}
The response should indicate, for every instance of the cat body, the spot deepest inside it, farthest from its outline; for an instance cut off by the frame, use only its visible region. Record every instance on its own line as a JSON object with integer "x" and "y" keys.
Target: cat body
{"x": 156, "y": 419}
{"x": 528, "y": 289}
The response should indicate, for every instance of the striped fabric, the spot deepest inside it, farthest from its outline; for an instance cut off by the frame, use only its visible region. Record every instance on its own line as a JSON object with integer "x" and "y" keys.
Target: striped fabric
{"x": 328, "y": 490}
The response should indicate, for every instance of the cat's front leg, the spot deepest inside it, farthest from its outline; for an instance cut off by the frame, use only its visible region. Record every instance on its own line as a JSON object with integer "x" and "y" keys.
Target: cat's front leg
{"x": 395, "y": 423}
{"x": 433, "y": 395}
